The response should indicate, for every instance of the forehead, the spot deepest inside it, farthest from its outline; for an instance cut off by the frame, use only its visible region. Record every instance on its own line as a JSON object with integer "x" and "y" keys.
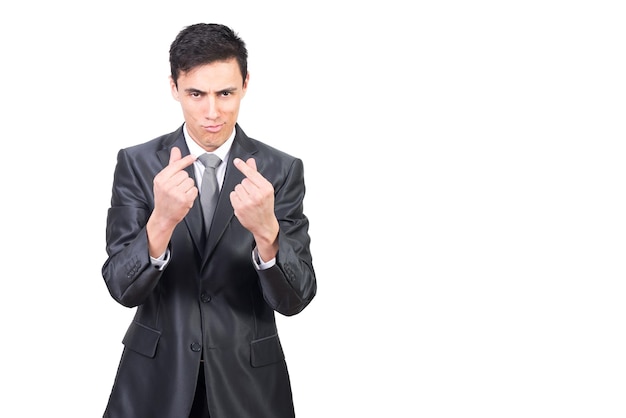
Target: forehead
{"x": 215, "y": 75}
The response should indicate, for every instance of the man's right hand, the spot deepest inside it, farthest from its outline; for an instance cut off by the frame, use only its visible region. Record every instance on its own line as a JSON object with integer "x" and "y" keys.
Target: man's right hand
{"x": 174, "y": 190}
{"x": 174, "y": 194}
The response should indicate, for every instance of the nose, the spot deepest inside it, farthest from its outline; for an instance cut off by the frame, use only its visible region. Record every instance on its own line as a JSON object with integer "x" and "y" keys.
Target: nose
{"x": 211, "y": 111}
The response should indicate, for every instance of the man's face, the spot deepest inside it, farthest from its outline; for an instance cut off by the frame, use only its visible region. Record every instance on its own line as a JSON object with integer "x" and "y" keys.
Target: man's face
{"x": 210, "y": 96}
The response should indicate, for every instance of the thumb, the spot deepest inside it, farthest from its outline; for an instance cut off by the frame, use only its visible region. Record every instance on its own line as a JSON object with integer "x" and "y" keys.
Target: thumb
{"x": 251, "y": 163}
{"x": 175, "y": 154}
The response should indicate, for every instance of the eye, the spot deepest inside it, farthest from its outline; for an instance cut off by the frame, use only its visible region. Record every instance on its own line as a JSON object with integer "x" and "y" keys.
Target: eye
{"x": 195, "y": 94}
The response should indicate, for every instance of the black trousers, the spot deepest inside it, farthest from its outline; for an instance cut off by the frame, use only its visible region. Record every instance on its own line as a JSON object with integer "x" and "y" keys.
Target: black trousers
{"x": 200, "y": 407}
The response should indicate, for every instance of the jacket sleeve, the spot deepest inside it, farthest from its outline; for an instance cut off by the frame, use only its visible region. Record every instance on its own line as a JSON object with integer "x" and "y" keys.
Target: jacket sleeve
{"x": 290, "y": 285}
{"x": 128, "y": 272}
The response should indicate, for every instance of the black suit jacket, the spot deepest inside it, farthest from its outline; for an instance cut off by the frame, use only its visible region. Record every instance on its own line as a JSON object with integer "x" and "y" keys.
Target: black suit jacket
{"x": 210, "y": 300}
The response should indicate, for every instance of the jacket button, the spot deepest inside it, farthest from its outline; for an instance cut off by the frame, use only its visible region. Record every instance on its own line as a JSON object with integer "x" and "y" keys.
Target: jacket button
{"x": 205, "y": 297}
{"x": 196, "y": 347}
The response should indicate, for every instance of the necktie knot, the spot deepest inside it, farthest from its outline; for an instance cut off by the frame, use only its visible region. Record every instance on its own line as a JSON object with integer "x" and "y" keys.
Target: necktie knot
{"x": 210, "y": 160}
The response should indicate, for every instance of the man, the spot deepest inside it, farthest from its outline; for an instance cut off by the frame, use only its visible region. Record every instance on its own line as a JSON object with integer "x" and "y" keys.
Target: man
{"x": 204, "y": 341}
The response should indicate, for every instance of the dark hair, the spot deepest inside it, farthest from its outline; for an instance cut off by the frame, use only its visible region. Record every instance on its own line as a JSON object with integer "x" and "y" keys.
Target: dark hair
{"x": 205, "y": 43}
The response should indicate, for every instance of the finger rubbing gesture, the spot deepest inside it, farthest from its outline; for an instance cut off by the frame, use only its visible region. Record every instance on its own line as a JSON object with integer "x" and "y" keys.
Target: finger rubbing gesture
{"x": 174, "y": 190}
{"x": 253, "y": 203}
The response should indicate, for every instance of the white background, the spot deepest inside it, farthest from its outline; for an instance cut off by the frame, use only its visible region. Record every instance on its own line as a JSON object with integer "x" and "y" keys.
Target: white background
{"x": 465, "y": 167}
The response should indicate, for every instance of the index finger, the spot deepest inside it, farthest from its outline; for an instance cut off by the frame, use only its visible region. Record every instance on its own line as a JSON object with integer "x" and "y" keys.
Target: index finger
{"x": 175, "y": 154}
{"x": 248, "y": 169}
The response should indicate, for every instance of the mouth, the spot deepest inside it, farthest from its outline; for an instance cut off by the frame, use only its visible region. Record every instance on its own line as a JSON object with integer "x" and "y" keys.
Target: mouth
{"x": 212, "y": 128}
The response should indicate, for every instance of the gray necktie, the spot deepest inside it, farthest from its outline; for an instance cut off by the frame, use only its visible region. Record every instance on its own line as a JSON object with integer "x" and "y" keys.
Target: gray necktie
{"x": 209, "y": 191}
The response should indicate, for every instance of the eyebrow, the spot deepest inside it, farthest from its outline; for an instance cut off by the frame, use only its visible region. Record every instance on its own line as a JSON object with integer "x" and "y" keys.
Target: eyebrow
{"x": 192, "y": 90}
{"x": 226, "y": 90}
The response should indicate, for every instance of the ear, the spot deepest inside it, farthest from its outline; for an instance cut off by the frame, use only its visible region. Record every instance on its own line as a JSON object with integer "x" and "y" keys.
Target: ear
{"x": 245, "y": 84}
{"x": 174, "y": 89}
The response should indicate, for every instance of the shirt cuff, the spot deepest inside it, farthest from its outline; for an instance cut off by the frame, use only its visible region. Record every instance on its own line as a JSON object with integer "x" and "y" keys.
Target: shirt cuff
{"x": 259, "y": 263}
{"x": 161, "y": 262}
